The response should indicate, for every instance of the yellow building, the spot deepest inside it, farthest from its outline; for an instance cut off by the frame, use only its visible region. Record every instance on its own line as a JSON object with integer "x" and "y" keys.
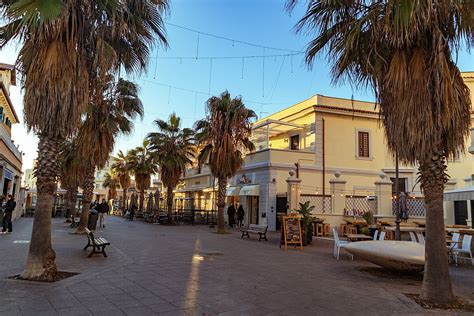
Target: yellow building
{"x": 338, "y": 148}
{"x": 10, "y": 156}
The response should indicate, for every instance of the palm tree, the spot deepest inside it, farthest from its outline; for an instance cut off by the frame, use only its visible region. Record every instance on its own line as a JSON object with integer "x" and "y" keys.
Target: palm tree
{"x": 110, "y": 115}
{"x": 174, "y": 148}
{"x": 120, "y": 167}
{"x": 61, "y": 42}
{"x": 70, "y": 172}
{"x": 112, "y": 183}
{"x": 224, "y": 136}
{"x": 143, "y": 163}
{"x": 403, "y": 50}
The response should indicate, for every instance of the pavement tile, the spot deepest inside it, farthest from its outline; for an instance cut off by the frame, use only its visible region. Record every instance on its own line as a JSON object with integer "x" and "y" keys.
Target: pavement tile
{"x": 73, "y": 311}
{"x": 138, "y": 311}
{"x": 163, "y": 307}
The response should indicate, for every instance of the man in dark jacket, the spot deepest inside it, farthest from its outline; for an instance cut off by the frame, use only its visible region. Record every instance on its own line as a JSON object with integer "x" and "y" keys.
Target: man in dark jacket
{"x": 7, "y": 218}
{"x": 231, "y": 215}
{"x": 103, "y": 208}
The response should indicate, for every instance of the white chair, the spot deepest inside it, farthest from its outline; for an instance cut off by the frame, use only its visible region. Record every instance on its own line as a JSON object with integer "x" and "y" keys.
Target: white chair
{"x": 421, "y": 238}
{"x": 376, "y": 234}
{"x": 412, "y": 236}
{"x": 338, "y": 244}
{"x": 465, "y": 249}
{"x": 382, "y": 236}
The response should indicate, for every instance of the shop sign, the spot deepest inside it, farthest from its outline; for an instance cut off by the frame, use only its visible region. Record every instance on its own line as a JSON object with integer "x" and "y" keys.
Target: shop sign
{"x": 7, "y": 174}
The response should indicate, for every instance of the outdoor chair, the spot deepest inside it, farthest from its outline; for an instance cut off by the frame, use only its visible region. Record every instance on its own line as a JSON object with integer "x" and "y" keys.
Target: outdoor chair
{"x": 453, "y": 245}
{"x": 338, "y": 244}
{"x": 376, "y": 234}
{"x": 465, "y": 249}
{"x": 413, "y": 236}
{"x": 421, "y": 238}
{"x": 382, "y": 236}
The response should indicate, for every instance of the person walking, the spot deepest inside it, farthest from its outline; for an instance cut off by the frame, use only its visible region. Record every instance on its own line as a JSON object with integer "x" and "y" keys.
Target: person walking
{"x": 231, "y": 215}
{"x": 103, "y": 209}
{"x": 7, "y": 218}
{"x": 133, "y": 208}
{"x": 240, "y": 215}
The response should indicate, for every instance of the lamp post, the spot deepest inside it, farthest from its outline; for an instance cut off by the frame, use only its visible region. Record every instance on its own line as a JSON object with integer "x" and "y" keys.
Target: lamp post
{"x": 397, "y": 200}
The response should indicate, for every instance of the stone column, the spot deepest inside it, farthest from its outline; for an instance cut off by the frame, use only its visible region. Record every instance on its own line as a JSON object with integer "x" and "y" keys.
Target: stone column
{"x": 448, "y": 206}
{"x": 383, "y": 191}
{"x": 338, "y": 196}
{"x": 293, "y": 191}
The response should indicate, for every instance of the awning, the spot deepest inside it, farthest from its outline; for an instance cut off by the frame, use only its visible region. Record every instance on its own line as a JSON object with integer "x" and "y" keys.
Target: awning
{"x": 232, "y": 191}
{"x": 252, "y": 190}
{"x": 462, "y": 194}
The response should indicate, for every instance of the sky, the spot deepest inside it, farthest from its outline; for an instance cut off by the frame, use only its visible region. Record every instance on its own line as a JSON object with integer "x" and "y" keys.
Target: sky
{"x": 183, "y": 85}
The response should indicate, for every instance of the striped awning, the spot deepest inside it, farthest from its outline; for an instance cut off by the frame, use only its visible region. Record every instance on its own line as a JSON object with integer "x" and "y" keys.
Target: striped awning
{"x": 463, "y": 194}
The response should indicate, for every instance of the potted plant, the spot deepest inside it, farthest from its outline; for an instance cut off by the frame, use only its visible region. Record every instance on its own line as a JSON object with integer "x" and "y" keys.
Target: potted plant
{"x": 307, "y": 222}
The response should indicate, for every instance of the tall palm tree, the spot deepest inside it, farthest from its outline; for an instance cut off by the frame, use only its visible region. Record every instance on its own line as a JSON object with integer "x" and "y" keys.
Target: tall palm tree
{"x": 223, "y": 136}
{"x": 120, "y": 166}
{"x": 143, "y": 163}
{"x": 403, "y": 50}
{"x": 109, "y": 115}
{"x": 174, "y": 147}
{"x": 61, "y": 41}
{"x": 111, "y": 183}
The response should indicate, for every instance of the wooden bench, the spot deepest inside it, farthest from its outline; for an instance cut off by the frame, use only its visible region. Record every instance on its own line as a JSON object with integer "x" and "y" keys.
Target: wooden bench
{"x": 98, "y": 244}
{"x": 255, "y": 229}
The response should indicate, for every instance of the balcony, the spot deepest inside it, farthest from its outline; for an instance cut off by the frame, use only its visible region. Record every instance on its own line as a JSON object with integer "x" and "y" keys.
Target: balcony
{"x": 5, "y": 135}
{"x": 280, "y": 156}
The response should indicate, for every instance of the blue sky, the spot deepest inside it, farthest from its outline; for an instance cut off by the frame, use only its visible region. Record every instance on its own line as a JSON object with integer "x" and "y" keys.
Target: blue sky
{"x": 264, "y": 22}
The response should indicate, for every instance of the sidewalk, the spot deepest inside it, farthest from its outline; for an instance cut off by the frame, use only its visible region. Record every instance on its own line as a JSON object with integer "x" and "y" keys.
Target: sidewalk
{"x": 189, "y": 270}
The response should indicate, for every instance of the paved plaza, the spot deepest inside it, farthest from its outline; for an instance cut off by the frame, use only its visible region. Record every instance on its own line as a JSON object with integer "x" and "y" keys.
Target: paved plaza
{"x": 189, "y": 270}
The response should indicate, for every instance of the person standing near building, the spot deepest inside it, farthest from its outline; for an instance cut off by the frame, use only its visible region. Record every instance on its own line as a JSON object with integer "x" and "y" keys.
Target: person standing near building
{"x": 103, "y": 209}
{"x": 240, "y": 215}
{"x": 7, "y": 218}
{"x": 231, "y": 215}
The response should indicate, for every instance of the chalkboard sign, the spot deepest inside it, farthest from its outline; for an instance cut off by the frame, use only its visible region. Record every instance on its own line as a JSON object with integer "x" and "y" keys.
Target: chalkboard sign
{"x": 291, "y": 232}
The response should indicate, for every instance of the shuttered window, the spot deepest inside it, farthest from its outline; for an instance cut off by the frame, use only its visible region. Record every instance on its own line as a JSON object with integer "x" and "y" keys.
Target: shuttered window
{"x": 363, "y": 144}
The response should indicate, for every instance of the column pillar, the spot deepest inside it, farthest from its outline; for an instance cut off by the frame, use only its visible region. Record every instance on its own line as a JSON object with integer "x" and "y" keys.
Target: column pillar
{"x": 337, "y": 188}
{"x": 293, "y": 191}
{"x": 383, "y": 191}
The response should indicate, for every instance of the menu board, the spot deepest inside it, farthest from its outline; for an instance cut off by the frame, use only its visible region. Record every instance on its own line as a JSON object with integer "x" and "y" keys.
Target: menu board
{"x": 291, "y": 232}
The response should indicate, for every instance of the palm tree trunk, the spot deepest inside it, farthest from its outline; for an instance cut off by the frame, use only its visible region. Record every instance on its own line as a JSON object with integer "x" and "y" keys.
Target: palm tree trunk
{"x": 124, "y": 197}
{"x": 67, "y": 202}
{"x": 87, "y": 192}
{"x": 142, "y": 200}
{"x": 436, "y": 281}
{"x": 169, "y": 201}
{"x": 72, "y": 201}
{"x": 40, "y": 264}
{"x": 222, "y": 186}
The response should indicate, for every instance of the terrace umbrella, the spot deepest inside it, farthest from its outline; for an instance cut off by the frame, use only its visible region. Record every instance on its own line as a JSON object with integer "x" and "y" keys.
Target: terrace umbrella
{"x": 149, "y": 204}
{"x": 157, "y": 200}
{"x": 403, "y": 207}
{"x": 133, "y": 200}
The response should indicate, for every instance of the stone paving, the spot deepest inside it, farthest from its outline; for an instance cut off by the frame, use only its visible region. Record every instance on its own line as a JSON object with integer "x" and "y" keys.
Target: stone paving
{"x": 189, "y": 270}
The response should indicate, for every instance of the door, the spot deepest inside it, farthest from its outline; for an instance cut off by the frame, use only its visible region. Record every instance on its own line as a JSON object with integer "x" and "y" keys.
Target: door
{"x": 460, "y": 212}
{"x": 252, "y": 204}
{"x": 281, "y": 207}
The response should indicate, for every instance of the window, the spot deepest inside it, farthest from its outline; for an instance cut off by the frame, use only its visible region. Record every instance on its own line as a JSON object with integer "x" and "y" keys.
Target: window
{"x": 295, "y": 142}
{"x": 363, "y": 144}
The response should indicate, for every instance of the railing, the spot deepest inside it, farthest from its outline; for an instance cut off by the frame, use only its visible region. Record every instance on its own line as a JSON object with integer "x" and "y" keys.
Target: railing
{"x": 415, "y": 205}
{"x": 321, "y": 203}
{"x": 358, "y": 205}
{"x": 193, "y": 217}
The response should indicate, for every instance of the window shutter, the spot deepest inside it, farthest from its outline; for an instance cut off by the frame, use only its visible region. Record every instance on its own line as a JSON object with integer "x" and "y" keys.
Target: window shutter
{"x": 363, "y": 139}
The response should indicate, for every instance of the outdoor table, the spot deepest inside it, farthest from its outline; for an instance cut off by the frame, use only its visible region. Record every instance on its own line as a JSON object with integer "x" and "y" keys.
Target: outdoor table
{"x": 356, "y": 237}
{"x": 405, "y": 229}
{"x": 466, "y": 231}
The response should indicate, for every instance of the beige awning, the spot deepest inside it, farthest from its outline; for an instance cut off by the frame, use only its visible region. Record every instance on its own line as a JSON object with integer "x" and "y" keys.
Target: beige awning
{"x": 232, "y": 191}
{"x": 463, "y": 194}
{"x": 251, "y": 190}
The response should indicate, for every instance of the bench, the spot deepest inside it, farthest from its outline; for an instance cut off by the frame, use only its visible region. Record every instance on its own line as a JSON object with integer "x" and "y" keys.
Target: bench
{"x": 255, "y": 229}
{"x": 98, "y": 244}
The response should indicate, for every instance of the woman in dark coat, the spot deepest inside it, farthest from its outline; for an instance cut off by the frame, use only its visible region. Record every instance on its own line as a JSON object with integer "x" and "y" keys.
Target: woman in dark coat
{"x": 231, "y": 214}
